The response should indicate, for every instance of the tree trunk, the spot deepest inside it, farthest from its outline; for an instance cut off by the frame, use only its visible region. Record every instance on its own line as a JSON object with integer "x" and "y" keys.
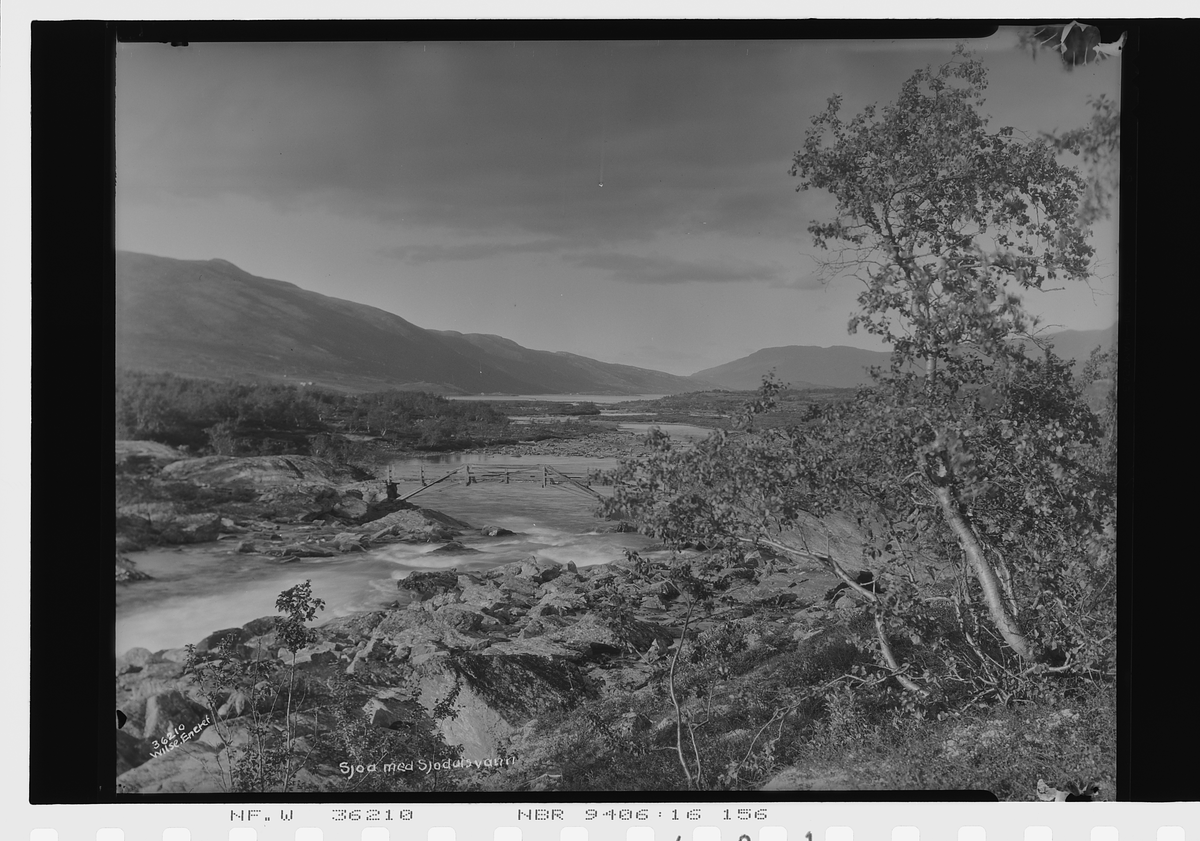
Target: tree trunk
{"x": 993, "y": 593}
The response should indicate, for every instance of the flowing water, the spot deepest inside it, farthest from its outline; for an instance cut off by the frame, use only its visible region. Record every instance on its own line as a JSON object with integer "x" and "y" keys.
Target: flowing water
{"x": 208, "y": 587}
{"x": 598, "y": 399}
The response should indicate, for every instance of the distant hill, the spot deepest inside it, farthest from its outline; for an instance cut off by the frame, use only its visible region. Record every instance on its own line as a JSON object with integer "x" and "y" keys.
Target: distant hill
{"x": 799, "y": 365}
{"x": 209, "y": 318}
{"x": 805, "y": 366}
{"x": 1078, "y": 344}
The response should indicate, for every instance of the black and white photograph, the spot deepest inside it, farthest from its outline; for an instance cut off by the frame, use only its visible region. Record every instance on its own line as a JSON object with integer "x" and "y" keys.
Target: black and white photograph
{"x": 528, "y": 417}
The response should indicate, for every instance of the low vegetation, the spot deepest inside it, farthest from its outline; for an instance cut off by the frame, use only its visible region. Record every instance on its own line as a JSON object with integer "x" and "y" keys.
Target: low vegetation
{"x": 280, "y": 725}
{"x": 718, "y": 409}
{"x": 745, "y": 704}
{"x": 236, "y": 418}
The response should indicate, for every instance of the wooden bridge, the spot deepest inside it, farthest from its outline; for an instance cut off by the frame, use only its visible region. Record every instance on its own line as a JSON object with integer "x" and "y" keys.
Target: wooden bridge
{"x": 471, "y": 474}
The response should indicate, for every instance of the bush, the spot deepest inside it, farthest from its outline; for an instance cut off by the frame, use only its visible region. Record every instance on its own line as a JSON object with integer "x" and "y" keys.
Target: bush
{"x": 296, "y": 723}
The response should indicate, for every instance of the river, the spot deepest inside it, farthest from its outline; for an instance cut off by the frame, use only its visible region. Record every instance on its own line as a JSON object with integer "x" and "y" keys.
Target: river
{"x": 598, "y": 399}
{"x": 208, "y": 587}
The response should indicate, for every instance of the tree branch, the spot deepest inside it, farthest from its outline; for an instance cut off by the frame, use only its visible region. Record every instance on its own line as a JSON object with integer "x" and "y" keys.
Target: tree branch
{"x": 675, "y": 701}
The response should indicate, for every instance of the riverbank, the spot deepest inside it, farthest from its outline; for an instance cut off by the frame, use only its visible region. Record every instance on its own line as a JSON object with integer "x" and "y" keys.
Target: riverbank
{"x": 537, "y": 675}
{"x": 608, "y": 444}
{"x": 166, "y": 498}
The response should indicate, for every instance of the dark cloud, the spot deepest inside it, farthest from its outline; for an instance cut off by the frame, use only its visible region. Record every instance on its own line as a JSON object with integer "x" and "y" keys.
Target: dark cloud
{"x": 480, "y": 138}
{"x": 633, "y": 268}
{"x": 420, "y": 254}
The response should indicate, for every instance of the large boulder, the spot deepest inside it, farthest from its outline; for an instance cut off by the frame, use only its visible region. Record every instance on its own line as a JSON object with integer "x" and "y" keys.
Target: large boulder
{"x": 350, "y": 508}
{"x": 325, "y": 500}
{"x": 426, "y": 585}
{"x": 259, "y": 471}
{"x": 213, "y": 640}
{"x": 192, "y": 528}
{"x": 482, "y": 593}
{"x": 379, "y": 508}
{"x": 392, "y": 708}
{"x": 304, "y": 550}
{"x": 192, "y": 767}
{"x": 464, "y": 617}
{"x": 260, "y": 626}
{"x": 167, "y": 712}
{"x": 494, "y": 697}
{"x": 597, "y": 635}
{"x": 540, "y": 570}
{"x": 351, "y": 542}
{"x": 415, "y": 520}
{"x": 127, "y": 570}
{"x": 322, "y": 653}
{"x": 455, "y": 548}
{"x": 415, "y": 636}
{"x": 559, "y": 603}
{"x": 133, "y": 660}
{"x": 131, "y": 752}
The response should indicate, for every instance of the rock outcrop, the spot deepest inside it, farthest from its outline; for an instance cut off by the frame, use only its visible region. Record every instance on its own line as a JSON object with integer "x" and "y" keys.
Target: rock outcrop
{"x": 475, "y": 658}
{"x": 261, "y": 471}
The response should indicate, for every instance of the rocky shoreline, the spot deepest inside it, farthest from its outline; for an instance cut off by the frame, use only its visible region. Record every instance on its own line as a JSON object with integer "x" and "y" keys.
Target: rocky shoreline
{"x": 533, "y": 676}
{"x": 509, "y": 645}
{"x": 273, "y": 502}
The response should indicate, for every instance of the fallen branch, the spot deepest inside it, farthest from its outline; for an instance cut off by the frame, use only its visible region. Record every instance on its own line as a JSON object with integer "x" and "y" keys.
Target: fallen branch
{"x": 837, "y": 569}
{"x": 675, "y": 701}
{"x": 825, "y": 560}
{"x": 886, "y": 649}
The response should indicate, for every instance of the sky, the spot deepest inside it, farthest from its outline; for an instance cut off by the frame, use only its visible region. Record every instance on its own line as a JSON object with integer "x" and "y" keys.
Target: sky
{"x": 627, "y": 201}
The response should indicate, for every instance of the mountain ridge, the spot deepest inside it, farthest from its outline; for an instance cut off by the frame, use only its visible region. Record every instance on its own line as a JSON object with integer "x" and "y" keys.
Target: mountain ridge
{"x": 212, "y": 318}
{"x": 841, "y": 366}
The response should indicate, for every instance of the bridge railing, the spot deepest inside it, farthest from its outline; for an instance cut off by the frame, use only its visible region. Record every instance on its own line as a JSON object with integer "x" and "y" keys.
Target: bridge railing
{"x": 469, "y": 474}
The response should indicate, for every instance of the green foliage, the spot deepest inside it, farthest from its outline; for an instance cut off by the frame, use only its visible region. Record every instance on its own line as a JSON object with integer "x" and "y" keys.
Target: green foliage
{"x": 940, "y": 218}
{"x": 298, "y": 606}
{"x": 754, "y": 705}
{"x": 277, "y": 723}
{"x": 986, "y": 512}
{"x": 230, "y": 418}
{"x": 267, "y": 690}
{"x": 233, "y": 684}
{"x": 220, "y": 438}
{"x": 1098, "y": 147}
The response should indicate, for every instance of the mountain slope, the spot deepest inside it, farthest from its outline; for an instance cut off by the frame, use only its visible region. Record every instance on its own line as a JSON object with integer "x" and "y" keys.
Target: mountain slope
{"x": 845, "y": 367}
{"x": 210, "y": 318}
{"x": 561, "y": 372}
